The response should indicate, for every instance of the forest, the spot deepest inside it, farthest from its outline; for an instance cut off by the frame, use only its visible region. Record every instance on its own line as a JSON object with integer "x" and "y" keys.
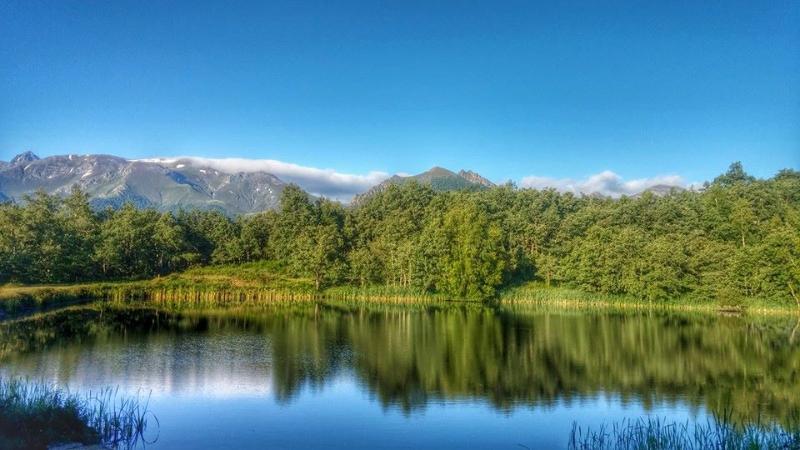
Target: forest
{"x": 736, "y": 238}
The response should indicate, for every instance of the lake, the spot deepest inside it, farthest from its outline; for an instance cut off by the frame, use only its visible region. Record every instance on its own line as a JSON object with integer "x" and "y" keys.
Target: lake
{"x": 456, "y": 376}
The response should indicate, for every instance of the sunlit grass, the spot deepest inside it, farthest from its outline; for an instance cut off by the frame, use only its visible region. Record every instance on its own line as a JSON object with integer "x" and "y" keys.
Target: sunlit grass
{"x": 537, "y": 293}
{"x": 264, "y": 282}
{"x": 383, "y": 293}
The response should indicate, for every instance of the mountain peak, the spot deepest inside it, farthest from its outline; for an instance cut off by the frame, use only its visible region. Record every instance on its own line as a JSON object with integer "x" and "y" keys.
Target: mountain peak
{"x": 25, "y": 157}
{"x": 438, "y": 178}
{"x": 436, "y": 172}
{"x": 439, "y": 169}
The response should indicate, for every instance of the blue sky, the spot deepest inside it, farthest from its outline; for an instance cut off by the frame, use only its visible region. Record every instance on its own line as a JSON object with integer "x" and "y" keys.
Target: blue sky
{"x": 509, "y": 89}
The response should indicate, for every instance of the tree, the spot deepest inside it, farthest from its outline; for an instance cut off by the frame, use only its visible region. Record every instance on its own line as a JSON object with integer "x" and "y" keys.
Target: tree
{"x": 665, "y": 274}
{"x": 734, "y": 175}
{"x": 296, "y": 213}
{"x": 126, "y": 247}
{"x": 14, "y": 255}
{"x": 546, "y": 266}
{"x": 79, "y": 235}
{"x": 475, "y": 265}
{"x": 42, "y": 240}
{"x": 742, "y": 219}
{"x": 170, "y": 245}
{"x": 781, "y": 254}
{"x": 255, "y": 235}
{"x": 319, "y": 253}
{"x": 364, "y": 265}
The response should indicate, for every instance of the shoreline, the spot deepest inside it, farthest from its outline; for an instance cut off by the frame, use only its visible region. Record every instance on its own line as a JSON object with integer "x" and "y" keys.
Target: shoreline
{"x": 17, "y": 301}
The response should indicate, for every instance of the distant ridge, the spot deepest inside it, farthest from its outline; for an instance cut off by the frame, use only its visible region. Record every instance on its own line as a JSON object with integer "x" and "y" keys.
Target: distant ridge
{"x": 438, "y": 178}
{"x": 164, "y": 185}
{"x": 661, "y": 190}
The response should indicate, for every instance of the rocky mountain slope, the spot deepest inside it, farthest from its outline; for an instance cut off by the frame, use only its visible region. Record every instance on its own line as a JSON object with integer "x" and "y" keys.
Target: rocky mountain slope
{"x": 165, "y": 185}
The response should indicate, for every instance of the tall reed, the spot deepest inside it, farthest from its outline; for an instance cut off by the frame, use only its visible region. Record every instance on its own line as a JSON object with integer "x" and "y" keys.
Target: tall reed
{"x": 35, "y": 415}
{"x": 657, "y": 434}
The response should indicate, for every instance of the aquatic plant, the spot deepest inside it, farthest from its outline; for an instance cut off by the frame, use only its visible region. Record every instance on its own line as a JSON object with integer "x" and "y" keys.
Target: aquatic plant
{"x": 34, "y": 415}
{"x": 654, "y": 433}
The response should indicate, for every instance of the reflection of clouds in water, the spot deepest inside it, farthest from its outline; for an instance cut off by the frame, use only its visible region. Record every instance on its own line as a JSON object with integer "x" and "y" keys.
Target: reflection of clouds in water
{"x": 206, "y": 365}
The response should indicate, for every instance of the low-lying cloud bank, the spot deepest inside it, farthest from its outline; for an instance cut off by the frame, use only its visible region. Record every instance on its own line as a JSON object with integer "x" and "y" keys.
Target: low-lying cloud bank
{"x": 343, "y": 186}
{"x": 604, "y": 183}
{"x": 323, "y": 182}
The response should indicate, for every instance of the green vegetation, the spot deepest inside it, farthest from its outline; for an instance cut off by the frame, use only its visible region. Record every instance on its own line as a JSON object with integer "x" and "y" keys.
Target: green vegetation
{"x": 657, "y": 434}
{"x": 735, "y": 243}
{"x": 538, "y": 293}
{"x": 201, "y": 285}
{"x": 35, "y": 415}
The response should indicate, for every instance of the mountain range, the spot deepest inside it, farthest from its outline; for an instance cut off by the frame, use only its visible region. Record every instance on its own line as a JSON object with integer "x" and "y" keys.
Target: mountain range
{"x": 170, "y": 185}
{"x": 112, "y": 181}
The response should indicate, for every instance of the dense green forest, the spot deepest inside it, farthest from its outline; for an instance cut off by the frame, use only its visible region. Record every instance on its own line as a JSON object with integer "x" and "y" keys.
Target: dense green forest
{"x": 735, "y": 239}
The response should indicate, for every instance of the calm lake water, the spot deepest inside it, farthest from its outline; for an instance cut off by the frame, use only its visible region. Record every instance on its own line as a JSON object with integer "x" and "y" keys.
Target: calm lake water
{"x": 332, "y": 376}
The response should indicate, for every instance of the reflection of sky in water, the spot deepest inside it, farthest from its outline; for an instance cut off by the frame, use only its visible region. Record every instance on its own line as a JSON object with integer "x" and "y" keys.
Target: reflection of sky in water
{"x": 342, "y": 415}
{"x": 214, "y": 390}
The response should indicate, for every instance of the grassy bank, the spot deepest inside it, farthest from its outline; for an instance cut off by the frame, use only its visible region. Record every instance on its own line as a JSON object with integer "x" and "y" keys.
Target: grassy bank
{"x": 35, "y": 415}
{"x": 17, "y": 299}
{"x": 244, "y": 284}
{"x": 537, "y": 293}
{"x": 257, "y": 283}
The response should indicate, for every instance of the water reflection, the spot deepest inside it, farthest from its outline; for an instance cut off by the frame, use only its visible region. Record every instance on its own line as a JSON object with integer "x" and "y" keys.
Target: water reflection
{"x": 410, "y": 358}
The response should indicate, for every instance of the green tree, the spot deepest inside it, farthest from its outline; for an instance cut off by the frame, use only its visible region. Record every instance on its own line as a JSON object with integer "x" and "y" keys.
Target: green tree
{"x": 14, "y": 254}
{"x": 320, "y": 254}
{"x": 475, "y": 264}
{"x": 735, "y": 174}
{"x": 170, "y": 245}
{"x": 80, "y": 233}
{"x": 126, "y": 247}
{"x": 43, "y": 238}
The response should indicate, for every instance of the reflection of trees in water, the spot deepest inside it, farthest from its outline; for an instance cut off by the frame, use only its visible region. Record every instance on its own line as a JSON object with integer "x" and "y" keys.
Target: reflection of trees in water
{"x": 407, "y": 358}
{"x": 543, "y": 358}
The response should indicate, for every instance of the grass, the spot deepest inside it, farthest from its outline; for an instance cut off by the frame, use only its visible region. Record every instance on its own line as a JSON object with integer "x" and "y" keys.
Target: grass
{"x": 219, "y": 285}
{"x": 226, "y": 285}
{"x": 267, "y": 282}
{"x": 537, "y": 293}
{"x": 656, "y": 434}
{"x": 35, "y": 415}
{"x": 382, "y": 294}
{"x": 16, "y": 299}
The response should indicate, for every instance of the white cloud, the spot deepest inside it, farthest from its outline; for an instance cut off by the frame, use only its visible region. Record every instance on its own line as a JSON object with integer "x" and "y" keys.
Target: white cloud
{"x": 605, "y": 183}
{"x": 343, "y": 186}
{"x": 324, "y": 182}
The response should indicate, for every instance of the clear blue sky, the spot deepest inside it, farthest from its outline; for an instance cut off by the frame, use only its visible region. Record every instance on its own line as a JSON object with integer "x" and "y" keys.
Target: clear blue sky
{"x": 509, "y": 89}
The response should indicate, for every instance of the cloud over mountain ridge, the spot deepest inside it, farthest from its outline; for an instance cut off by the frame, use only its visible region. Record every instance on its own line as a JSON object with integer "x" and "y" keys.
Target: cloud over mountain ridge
{"x": 242, "y": 185}
{"x": 344, "y": 186}
{"x": 605, "y": 183}
{"x": 322, "y": 182}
